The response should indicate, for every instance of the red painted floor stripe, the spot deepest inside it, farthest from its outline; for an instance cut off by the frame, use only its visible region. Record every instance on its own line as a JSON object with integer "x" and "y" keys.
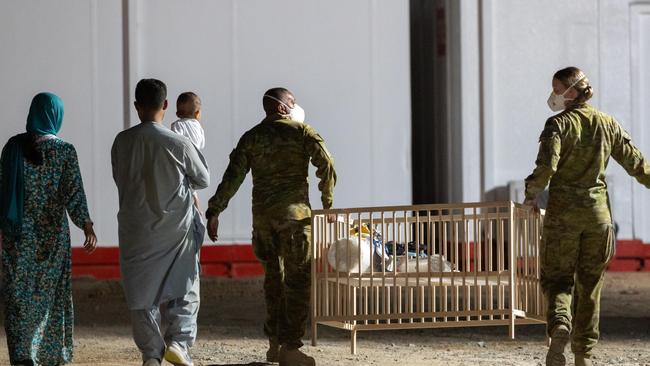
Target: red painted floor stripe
{"x": 630, "y": 249}
{"x": 238, "y": 260}
{"x": 625, "y": 265}
{"x": 230, "y": 260}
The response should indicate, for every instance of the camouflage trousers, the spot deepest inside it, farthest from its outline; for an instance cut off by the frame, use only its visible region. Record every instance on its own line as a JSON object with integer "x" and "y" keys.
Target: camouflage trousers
{"x": 283, "y": 248}
{"x": 574, "y": 256}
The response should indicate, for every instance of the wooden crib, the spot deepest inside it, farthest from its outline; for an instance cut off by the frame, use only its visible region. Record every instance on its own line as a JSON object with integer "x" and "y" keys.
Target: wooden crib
{"x": 473, "y": 264}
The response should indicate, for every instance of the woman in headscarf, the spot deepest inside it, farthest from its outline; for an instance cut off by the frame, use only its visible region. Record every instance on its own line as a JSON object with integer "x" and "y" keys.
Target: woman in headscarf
{"x": 39, "y": 182}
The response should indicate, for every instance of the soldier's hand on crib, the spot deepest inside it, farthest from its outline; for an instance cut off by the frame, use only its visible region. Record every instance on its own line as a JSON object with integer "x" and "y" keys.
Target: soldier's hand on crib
{"x": 532, "y": 203}
{"x": 331, "y": 218}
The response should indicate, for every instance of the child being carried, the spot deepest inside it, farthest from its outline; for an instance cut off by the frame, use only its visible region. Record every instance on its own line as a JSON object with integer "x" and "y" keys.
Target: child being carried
{"x": 188, "y": 110}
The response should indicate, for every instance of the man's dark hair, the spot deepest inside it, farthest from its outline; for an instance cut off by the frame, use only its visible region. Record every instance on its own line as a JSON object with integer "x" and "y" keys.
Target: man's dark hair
{"x": 187, "y": 105}
{"x": 150, "y": 93}
{"x": 277, "y": 93}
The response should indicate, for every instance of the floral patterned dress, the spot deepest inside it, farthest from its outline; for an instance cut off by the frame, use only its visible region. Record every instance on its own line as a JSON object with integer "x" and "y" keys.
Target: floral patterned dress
{"x": 37, "y": 262}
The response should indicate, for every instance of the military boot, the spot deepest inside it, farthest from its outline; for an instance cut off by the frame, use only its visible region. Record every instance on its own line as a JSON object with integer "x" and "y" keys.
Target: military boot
{"x": 581, "y": 360}
{"x": 273, "y": 354}
{"x": 294, "y": 357}
{"x": 559, "y": 339}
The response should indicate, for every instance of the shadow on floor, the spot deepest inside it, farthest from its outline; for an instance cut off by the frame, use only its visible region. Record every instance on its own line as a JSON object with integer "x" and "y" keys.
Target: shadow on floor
{"x": 611, "y": 328}
{"x": 242, "y": 364}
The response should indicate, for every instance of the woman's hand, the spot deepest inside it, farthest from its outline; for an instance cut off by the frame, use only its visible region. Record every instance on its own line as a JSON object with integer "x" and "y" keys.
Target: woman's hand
{"x": 91, "y": 239}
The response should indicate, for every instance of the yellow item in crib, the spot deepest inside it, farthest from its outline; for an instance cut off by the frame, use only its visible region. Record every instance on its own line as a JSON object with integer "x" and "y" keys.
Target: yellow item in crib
{"x": 354, "y": 230}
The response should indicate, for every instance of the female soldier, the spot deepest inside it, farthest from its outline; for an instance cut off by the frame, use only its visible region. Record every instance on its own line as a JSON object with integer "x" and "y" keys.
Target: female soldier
{"x": 578, "y": 237}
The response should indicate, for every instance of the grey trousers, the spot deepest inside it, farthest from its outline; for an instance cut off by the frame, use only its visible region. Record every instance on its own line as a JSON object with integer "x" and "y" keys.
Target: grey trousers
{"x": 171, "y": 322}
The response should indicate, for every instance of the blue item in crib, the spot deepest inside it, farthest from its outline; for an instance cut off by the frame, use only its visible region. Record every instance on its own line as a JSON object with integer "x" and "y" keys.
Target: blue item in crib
{"x": 377, "y": 242}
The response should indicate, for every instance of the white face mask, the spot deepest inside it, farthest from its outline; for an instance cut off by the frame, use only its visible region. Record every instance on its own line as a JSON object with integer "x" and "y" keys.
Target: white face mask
{"x": 557, "y": 102}
{"x": 296, "y": 113}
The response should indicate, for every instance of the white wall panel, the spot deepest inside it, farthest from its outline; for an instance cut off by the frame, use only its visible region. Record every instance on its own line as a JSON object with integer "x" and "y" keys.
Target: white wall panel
{"x": 347, "y": 63}
{"x": 73, "y": 50}
{"x": 640, "y": 95}
{"x": 532, "y": 40}
{"x": 524, "y": 43}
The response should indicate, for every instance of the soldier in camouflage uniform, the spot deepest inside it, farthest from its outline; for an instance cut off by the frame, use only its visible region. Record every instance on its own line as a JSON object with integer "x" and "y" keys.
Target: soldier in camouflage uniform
{"x": 278, "y": 151}
{"x": 578, "y": 237}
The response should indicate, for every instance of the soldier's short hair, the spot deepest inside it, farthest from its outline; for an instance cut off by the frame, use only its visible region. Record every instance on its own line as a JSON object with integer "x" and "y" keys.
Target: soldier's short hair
{"x": 187, "y": 104}
{"x": 277, "y": 93}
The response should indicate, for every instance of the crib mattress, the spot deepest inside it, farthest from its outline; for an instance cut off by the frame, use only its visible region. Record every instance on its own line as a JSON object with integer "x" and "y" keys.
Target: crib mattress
{"x": 425, "y": 279}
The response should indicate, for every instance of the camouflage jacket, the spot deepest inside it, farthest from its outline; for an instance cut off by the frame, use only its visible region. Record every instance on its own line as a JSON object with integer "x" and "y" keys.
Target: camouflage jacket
{"x": 574, "y": 149}
{"x": 277, "y": 151}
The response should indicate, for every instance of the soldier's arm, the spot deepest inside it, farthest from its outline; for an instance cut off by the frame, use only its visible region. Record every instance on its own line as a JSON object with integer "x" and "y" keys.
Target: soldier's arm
{"x": 630, "y": 158}
{"x": 548, "y": 157}
{"x": 324, "y": 164}
{"x": 232, "y": 179}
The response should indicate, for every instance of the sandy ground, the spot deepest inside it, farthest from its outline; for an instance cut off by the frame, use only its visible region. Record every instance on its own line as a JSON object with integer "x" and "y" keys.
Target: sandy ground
{"x": 230, "y": 332}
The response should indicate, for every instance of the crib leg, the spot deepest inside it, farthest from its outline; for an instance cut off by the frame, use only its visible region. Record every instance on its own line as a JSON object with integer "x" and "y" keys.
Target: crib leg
{"x": 511, "y": 330}
{"x": 353, "y": 342}
{"x": 314, "y": 334}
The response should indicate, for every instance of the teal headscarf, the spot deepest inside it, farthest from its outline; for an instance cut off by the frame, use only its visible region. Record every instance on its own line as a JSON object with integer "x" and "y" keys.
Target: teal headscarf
{"x": 45, "y": 118}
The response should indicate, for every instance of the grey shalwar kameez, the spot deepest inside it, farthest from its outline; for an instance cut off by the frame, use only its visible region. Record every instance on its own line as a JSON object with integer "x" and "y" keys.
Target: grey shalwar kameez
{"x": 160, "y": 234}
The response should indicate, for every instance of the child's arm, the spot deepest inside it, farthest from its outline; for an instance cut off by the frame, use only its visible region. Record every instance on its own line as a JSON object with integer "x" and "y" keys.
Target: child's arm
{"x": 196, "y": 201}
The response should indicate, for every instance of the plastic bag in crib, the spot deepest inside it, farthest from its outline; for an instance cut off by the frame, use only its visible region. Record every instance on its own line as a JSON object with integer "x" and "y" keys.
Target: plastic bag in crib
{"x": 343, "y": 255}
{"x": 438, "y": 264}
{"x": 381, "y": 260}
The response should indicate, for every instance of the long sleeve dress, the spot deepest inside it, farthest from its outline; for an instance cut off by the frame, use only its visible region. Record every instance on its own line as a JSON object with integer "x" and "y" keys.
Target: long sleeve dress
{"x": 37, "y": 261}
{"x": 156, "y": 171}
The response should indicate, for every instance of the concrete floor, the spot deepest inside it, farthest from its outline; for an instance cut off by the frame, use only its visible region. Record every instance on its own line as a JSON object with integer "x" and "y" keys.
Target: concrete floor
{"x": 230, "y": 332}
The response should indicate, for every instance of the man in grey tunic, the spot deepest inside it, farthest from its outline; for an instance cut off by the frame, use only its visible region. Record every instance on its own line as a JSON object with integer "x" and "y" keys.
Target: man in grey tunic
{"x": 160, "y": 234}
